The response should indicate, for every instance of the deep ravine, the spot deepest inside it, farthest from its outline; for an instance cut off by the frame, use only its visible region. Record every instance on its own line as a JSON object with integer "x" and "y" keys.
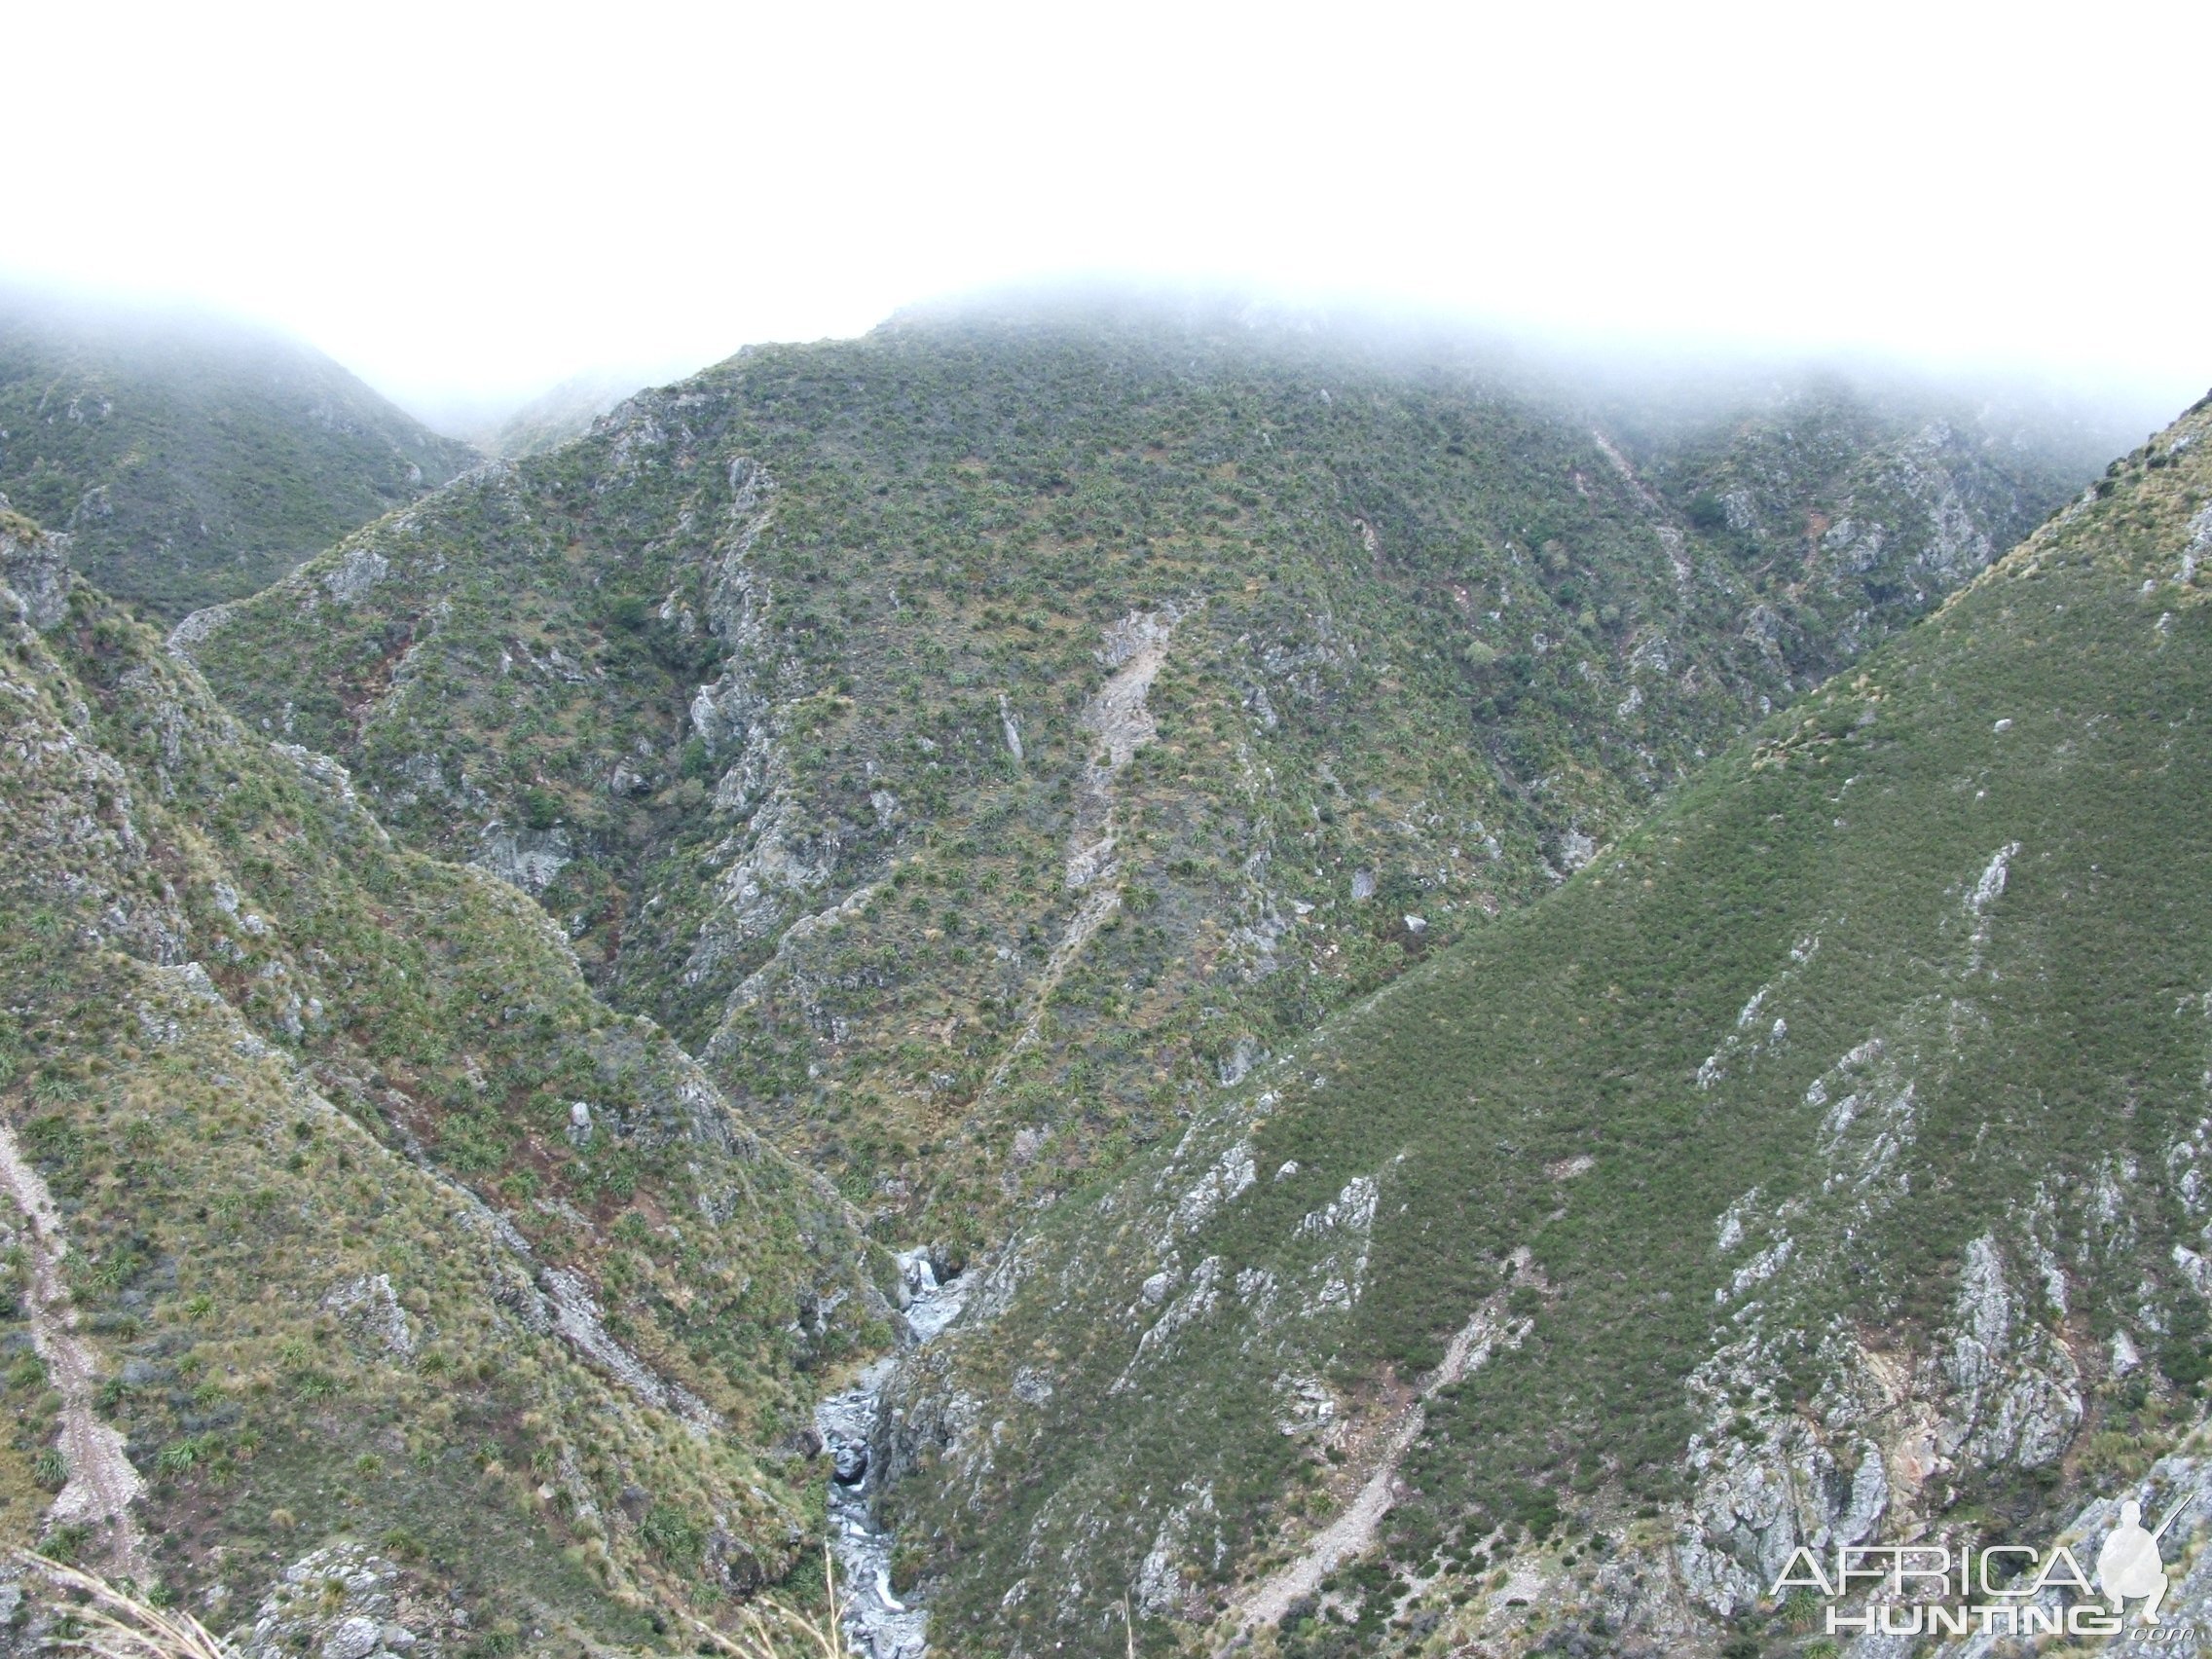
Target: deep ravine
{"x": 879, "y": 1622}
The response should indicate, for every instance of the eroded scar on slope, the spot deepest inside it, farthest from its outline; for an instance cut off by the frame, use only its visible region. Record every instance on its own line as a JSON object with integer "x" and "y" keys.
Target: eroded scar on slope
{"x": 1356, "y": 1527}
{"x": 1118, "y": 724}
{"x": 101, "y": 1484}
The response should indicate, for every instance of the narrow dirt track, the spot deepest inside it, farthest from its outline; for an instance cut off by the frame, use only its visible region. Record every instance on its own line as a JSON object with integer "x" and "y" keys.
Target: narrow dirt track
{"x": 101, "y": 1484}
{"x": 1356, "y": 1526}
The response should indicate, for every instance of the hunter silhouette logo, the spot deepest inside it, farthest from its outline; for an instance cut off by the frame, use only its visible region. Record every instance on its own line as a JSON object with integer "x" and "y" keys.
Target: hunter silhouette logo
{"x": 2128, "y": 1564}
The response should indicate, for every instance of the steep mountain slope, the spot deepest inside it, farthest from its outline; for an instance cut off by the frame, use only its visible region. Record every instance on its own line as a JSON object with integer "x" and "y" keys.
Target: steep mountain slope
{"x": 980, "y": 739}
{"x": 341, "y": 1210}
{"x": 193, "y": 459}
{"x": 1822, "y": 1164}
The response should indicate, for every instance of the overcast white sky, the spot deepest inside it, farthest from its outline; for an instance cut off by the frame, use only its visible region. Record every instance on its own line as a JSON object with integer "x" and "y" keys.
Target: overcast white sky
{"x": 461, "y": 200}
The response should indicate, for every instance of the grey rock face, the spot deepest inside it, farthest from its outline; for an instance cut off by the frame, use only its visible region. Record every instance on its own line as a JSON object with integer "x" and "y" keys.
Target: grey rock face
{"x": 529, "y": 858}
{"x": 34, "y": 571}
{"x": 2019, "y": 1389}
{"x": 1236, "y": 1065}
{"x": 358, "y": 569}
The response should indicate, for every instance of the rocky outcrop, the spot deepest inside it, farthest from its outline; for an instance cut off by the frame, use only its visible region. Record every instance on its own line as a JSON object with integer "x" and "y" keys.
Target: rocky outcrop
{"x": 1889, "y": 1433}
{"x": 344, "y": 1602}
{"x": 357, "y": 569}
{"x": 768, "y": 863}
{"x": 530, "y": 859}
{"x": 34, "y": 571}
{"x": 371, "y": 1306}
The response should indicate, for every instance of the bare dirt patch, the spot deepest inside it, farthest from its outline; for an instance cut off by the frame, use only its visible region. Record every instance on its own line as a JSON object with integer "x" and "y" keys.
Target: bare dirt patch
{"x": 101, "y": 1484}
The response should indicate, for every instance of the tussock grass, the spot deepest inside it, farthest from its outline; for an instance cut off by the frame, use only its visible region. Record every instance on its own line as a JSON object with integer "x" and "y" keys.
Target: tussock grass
{"x": 121, "y": 1625}
{"x": 769, "y": 1629}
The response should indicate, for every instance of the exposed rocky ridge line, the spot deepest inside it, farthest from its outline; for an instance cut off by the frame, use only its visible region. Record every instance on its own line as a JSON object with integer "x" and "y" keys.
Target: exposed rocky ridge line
{"x": 764, "y": 866}
{"x": 560, "y": 1300}
{"x": 195, "y": 628}
{"x": 2183, "y": 1477}
{"x": 34, "y": 568}
{"x": 1890, "y": 1436}
{"x": 233, "y": 1010}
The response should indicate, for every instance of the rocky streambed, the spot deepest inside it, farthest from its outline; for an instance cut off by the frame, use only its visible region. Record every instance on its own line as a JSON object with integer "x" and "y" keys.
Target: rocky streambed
{"x": 879, "y": 1625}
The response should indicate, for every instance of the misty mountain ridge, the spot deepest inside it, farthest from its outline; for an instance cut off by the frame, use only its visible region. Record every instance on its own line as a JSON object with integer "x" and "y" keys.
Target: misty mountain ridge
{"x": 192, "y": 457}
{"x": 1504, "y": 983}
{"x": 784, "y": 689}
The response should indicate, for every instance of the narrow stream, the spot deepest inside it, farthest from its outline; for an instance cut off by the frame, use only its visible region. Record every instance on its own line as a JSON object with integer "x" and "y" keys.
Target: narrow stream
{"x": 878, "y": 1624}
